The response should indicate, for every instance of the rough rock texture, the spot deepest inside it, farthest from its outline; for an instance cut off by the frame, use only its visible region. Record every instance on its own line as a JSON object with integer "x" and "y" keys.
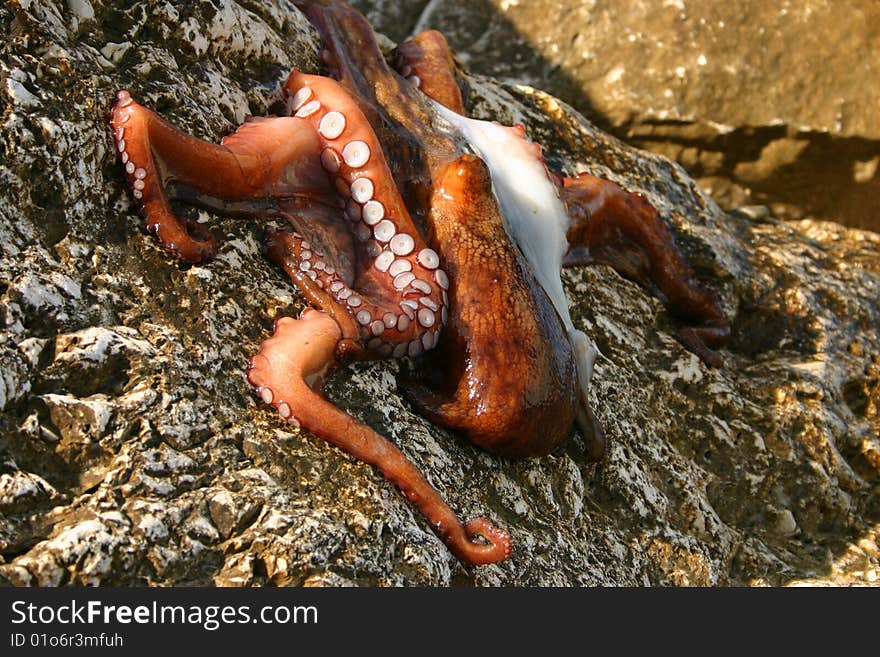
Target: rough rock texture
{"x": 132, "y": 450}
{"x": 765, "y": 102}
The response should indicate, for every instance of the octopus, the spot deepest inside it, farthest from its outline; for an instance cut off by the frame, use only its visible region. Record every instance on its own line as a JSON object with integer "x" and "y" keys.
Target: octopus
{"x": 412, "y": 231}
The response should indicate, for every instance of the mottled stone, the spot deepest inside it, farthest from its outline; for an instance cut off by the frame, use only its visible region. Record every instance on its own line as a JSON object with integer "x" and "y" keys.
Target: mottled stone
{"x": 134, "y": 451}
{"x": 772, "y": 103}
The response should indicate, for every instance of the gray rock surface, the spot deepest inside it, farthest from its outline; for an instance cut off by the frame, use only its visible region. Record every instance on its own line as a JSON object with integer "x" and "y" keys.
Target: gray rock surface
{"x": 132, "y": 450}
{"x": 763, "y": 102}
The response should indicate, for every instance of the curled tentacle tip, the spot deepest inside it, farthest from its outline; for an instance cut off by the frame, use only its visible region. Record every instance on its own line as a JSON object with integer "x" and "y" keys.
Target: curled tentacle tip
{"x": 497, "y": 548}
{"x": 189, "y": 241}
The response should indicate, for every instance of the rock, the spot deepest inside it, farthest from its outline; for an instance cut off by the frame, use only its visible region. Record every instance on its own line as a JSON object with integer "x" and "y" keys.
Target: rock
{"x": 762, "y": 102}
{"x": 136, "y": 453}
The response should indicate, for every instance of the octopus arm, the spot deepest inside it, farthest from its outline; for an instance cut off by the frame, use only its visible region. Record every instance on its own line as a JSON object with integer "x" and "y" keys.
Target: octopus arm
{"x": 289, "y": 371}
{"x": 264, "y": 160}
{"x": 426, "y": 61}
{"x": 623, "y": 230}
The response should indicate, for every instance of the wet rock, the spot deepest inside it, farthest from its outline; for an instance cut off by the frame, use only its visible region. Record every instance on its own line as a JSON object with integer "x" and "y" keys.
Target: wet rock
{"x": 762, "y": 102}
{"x": 137, "y": 454}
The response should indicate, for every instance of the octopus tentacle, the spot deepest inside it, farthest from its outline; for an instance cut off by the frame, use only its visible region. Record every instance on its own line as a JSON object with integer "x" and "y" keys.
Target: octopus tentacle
{"x": 621, "y": 229}
{"x": 401, "y": 302}
{"x": 289, "y": 372}
{"x": 427, "y": 62}
{"x": 131, "y": 125}
{"x": 316, "y": 279}
{"x": 265, "y": 158}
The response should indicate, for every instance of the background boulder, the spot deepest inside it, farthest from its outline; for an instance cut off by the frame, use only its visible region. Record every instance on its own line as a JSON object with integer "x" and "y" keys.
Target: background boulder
{"x": 764, "y": 103}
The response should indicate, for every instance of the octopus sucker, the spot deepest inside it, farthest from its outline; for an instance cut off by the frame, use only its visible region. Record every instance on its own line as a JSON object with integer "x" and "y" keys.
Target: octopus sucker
{"x": 476, "y": 281}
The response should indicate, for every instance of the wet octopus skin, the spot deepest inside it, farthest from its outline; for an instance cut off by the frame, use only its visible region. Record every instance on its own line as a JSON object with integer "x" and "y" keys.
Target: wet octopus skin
{"x": 397, "y": 238}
